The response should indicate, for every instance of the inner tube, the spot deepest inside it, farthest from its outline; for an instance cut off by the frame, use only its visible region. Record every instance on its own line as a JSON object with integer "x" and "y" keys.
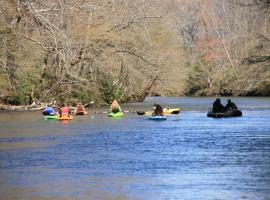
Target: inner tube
{"x": 166, "y": 111}
{"x": 65, "y": 118}
{"x": 171, "y": 110}
{"x": 118, "y": 114}
{"x": 229, "y": 113}
{"x": 51, "y": 117}
{"x": 157, "y": 117}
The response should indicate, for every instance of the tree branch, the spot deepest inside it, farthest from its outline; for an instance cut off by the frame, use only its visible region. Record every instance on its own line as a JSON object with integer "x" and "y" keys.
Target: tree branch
{"x": 136, "y": 55}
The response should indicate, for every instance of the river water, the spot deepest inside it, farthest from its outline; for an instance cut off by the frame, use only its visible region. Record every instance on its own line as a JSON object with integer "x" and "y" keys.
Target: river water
{"x": 189, "y": 156}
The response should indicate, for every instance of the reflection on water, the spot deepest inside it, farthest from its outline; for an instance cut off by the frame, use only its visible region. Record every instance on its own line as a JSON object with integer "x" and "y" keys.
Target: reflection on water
{"x": 189, "y": 156}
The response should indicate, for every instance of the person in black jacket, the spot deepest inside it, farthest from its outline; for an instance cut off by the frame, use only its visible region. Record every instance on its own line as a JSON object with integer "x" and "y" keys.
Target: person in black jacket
{"x": 230, "y": 105}
{"x": 218, "y": 106}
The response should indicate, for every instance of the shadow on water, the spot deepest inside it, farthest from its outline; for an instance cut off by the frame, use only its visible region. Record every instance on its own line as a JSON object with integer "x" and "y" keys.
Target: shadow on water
{"x": 188, "y": 156}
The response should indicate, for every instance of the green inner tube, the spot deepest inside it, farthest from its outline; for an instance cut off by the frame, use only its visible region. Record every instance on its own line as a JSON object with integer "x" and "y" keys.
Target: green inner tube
{"x": 51, "y": 117}
{"x": 118, "y": 114}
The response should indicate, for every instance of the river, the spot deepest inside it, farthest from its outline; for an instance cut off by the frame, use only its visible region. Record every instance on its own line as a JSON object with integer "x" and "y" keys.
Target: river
{"x": 188, "y": 156}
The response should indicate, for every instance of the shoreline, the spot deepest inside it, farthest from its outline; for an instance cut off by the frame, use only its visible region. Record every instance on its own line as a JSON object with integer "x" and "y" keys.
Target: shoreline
{"x": 103, "y": 108}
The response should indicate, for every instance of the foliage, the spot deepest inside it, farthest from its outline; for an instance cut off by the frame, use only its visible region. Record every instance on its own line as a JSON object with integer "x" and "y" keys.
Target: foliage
{"x": 104, "y": 50}
{"x": 99, "y": 49}
{"x": 198, "y": 78}
{"x": 264, "y": 88}
{"x": 217, "y": 36}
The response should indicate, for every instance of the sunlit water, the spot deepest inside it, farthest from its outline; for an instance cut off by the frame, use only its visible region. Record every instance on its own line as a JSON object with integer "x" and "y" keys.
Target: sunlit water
{"x": 189, "y": 156}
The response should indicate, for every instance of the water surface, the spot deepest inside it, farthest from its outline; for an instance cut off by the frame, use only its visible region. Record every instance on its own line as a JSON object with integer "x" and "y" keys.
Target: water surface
{"x": 189, "y": 156}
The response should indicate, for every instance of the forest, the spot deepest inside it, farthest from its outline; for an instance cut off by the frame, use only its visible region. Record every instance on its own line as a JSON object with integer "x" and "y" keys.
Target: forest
{"x": 100, "y": 50}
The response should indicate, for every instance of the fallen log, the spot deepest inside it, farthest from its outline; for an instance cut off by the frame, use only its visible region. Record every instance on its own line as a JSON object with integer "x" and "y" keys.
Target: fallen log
{"x": 36, "y": 106}
{"x": 21, "y": 108}
{"x": 32, "y": 107}
{"x": 28, "y": 108}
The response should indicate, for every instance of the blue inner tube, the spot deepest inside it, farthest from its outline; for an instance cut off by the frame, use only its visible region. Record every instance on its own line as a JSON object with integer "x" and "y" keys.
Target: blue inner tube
{"x": 157, "y": 117}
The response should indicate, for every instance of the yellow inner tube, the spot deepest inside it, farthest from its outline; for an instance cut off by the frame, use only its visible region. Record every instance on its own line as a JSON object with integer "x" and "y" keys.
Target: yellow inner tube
{"x": 65, "y": 117}
{"x": 166, "y": 111}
